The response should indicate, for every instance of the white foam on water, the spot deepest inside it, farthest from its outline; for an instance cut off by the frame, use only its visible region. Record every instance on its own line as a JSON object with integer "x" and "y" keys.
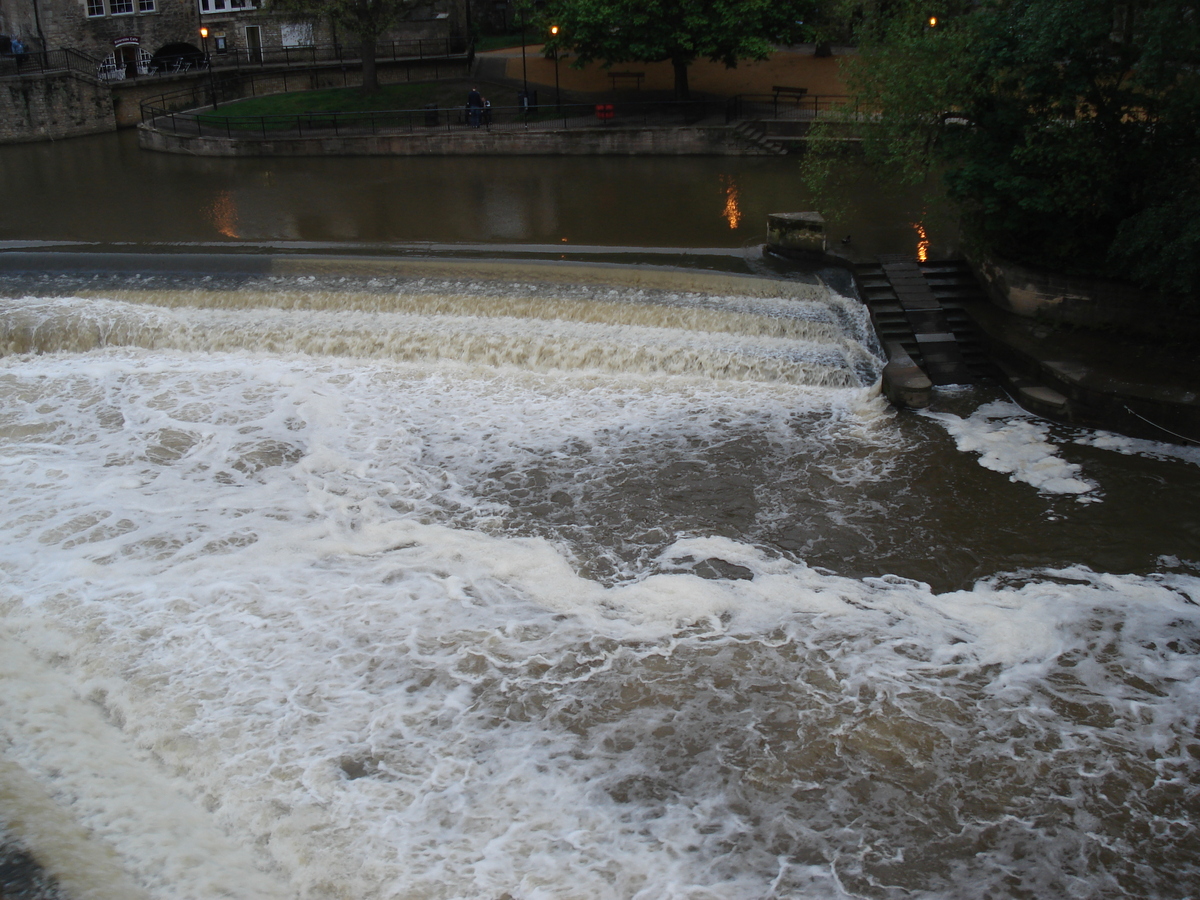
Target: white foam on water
{"x": 272, "y": 636}
{"x": 1011, "y": 441}
{"x": 1119, "y": 443}
{"x": 780, "y": 339}
{"x": 108, "y": 783}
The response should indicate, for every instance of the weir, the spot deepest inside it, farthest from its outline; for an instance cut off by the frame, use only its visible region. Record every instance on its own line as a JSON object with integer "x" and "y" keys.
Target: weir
{"x": 782, "y": 331}
{"x": 416, "y": 578}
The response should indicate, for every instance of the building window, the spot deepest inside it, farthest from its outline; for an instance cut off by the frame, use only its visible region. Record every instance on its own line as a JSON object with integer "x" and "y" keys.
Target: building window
{"x": 95, "y": 8}
{"x": 120, "y": 7}
{"x": 145, "y": 5}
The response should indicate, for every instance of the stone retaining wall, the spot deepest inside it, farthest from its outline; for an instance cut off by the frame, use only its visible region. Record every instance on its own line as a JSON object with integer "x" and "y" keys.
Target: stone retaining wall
{"x": 1078, "y": 300}
{"x": 52, "y": 106}
{"x": 614, "y": 141}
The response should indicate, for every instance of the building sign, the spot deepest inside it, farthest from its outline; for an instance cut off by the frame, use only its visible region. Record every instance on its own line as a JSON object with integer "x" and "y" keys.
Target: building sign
{"x": 126, "y": 41}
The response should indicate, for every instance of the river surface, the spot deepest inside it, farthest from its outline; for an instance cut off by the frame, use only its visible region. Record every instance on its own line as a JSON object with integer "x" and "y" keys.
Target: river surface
{"x": 393, "y": 578}
{"x": 106, "y": 189}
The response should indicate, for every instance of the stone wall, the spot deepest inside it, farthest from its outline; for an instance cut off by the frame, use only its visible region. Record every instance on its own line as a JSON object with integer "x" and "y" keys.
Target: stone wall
{"x": 1077, "y": 300}
{"x": 614, "y": 141}
{"x": 38, "y": 108}
{"x": 20, "y": 20}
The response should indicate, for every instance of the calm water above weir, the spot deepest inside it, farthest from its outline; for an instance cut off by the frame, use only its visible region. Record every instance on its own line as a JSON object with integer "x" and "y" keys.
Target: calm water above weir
{"x": 105, "y": 188}
{"x": 432, "y": 580}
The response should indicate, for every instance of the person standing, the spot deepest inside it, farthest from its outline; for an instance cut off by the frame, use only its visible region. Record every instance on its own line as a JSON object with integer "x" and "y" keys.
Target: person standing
{"x": 475, "y": 104}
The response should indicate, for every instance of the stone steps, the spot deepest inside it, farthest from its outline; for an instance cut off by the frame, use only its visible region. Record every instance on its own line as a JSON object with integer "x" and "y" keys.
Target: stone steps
{"x": 748, "y": 133}
{"x": 918, "y": 307}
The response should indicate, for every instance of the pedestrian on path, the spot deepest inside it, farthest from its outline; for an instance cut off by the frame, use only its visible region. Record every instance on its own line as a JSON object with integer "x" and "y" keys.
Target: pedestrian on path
{"x": 475, "y": 105}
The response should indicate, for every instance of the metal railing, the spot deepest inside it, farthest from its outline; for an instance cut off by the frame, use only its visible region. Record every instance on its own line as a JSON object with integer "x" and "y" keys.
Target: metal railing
{"x": 42, "y": 62}
{"x": 385, "y": 51}
{"x": 227, "y": 86}
{"x": 785, "y": 106}
{"x": 428, "y": 120}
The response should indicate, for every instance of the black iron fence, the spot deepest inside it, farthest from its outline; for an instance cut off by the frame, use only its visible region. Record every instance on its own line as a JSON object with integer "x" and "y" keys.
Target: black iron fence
{"x": 432, "y": 119}
{"x": 43, "y": 62}
{"x": 789, "y": 106}
{"x": 419, "y": 52}
{"x": 227, "y": 86}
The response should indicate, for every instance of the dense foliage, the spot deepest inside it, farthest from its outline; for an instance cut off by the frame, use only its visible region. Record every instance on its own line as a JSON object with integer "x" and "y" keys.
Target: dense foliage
{"x": 1067, "y": 130}
{"x": 679, "y": 31}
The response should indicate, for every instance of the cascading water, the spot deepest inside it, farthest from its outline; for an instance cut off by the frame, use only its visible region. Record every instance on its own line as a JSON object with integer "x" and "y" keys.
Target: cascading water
{"x": 569, "y": 587}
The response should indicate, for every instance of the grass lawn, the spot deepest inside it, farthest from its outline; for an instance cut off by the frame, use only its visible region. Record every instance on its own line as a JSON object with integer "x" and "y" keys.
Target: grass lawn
{"x": 392, "y": 96}
{"x": 242, "y": 115}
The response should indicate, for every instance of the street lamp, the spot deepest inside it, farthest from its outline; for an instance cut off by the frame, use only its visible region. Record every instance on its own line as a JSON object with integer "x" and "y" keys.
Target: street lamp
{"x": 204, "y": 38}
{"x": 557, "y": 98}
{"x": 524, "y": 76}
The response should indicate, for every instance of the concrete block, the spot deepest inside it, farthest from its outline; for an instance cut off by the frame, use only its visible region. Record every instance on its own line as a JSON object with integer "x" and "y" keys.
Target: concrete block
{"x": 796, "y": 234}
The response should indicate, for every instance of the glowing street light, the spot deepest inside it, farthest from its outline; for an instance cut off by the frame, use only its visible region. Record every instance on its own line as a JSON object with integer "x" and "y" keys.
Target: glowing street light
{"x": 557, "y": 98}
{"x": 204, "y": 38}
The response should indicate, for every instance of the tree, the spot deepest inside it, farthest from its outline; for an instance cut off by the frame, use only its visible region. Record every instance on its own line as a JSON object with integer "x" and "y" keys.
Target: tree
{"x": 1066, "y": 130}
{"x": 679, "y": 31}
{"x": 368, "y": 19}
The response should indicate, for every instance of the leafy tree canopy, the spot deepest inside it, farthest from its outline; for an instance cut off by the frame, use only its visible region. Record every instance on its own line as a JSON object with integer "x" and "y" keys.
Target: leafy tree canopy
{"x": 1067, "y": 130}
{"x": 679, "y": 31}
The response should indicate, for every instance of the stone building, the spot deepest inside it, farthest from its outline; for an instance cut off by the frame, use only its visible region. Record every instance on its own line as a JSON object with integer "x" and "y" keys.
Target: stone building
{"x": 245, "y": 28}
{"x": 140, "y": 36}
{"x": 131, "y": 32}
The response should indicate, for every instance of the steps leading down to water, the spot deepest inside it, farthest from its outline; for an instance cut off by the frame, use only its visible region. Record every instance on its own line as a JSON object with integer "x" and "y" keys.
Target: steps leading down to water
{"x": 920, "y": 307}
{"x": 752, "y": 134}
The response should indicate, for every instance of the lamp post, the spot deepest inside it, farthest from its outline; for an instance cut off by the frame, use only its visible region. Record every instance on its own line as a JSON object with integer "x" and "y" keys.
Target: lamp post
{"x": 212, "y": 87}
{"x": 524, "y": 75}
{"x": 557, "y": 98}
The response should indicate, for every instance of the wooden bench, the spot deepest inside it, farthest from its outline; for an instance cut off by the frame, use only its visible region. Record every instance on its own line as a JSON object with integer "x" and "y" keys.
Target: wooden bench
{"x": 636, "y": 76}
{"x": 794, "y": 93}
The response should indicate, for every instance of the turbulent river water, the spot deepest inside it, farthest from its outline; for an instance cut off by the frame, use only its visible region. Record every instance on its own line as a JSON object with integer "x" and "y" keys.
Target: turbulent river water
{"x": 570, "y": 583}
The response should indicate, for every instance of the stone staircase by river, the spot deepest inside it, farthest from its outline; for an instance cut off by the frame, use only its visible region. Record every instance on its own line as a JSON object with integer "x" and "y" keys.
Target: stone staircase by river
{"x": 922, "y": 308}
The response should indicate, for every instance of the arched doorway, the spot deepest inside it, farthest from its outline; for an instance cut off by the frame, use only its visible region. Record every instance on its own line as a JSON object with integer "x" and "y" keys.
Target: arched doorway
{"x": 126, "y": 56}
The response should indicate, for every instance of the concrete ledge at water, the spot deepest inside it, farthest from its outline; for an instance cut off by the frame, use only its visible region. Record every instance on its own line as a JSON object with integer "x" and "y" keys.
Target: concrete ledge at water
{"x": 904, "y": 384}
{"x": 670, "y": 141}
{"x": 1093, "y": 379}
{"x": 1077, "y": 300}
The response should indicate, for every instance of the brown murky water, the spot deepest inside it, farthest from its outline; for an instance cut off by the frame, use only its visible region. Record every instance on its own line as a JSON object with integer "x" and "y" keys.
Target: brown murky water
{"x": 105, "y": 188}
